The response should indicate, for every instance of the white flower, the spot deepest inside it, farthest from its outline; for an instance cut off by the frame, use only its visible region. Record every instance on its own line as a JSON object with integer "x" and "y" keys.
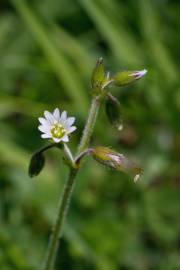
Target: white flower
{"x": 56, "y": 126}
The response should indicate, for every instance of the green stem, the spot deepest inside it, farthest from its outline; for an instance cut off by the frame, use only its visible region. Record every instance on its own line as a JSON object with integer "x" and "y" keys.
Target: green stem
{"x": 69, "y": 156}
{"x": 68, "y": 189}
{"x": 57, "y": 230}
{"x": 43, "y": 149}
{"x": 88, "y": 130}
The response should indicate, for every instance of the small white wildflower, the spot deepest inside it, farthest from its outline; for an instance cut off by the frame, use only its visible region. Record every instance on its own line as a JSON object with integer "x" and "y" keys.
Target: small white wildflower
{"x": 56, "y": 126}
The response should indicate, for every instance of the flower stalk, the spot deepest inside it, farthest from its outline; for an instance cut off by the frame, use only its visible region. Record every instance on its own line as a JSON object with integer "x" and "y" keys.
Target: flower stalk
{"x": 69, "y": 185}
{"x": 69, "y": 156}
{"x": 61, "y": 215}
{"x": 89, "y": 127}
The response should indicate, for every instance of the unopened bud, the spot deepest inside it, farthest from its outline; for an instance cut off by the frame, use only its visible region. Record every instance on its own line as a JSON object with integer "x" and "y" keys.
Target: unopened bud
{"x": 113, "y": 111}
{"x": 126, "y": 77}
{"x": 98, "y": 74}
{"x": 38, "y": 160}
{"x": 116, "y": 161}
{"x": 36, "y": 164}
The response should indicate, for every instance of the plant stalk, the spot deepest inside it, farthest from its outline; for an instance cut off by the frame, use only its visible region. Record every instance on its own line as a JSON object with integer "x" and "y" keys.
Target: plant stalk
{"x": 89, "y": 127}
{"x": 68, "y": 188}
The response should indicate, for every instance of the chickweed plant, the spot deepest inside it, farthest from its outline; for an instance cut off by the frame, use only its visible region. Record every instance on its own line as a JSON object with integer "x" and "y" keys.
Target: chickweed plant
{"x": 56, "y": 127}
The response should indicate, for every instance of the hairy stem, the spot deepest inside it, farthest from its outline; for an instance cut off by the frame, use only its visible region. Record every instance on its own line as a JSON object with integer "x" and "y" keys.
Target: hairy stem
{"x": 69, "y": 185}
{"x": 57, "y": 229}
{"x": 69, "y": 156}
{"x": 43, "y": 149}
{"x": 88, "y": 130}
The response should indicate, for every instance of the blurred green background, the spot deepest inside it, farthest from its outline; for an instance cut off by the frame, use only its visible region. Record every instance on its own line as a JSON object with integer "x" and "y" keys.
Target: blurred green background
{"x": 48, "y": 49}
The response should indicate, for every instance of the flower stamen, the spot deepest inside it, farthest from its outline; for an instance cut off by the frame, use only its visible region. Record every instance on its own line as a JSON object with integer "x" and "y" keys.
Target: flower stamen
{"x": 58, "y": 131}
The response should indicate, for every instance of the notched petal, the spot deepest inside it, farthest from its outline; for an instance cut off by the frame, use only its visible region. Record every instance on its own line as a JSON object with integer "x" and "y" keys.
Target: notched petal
{"x": 56, "y": 114}
{"x": 57, "y": 140}
{"x": 70, "y": 121}
{"x": 44, "y": 129}
{"x": 43, "y": 121}
{"x": 71, "y": 129}
{"x": 49, "y": 116}
{"x": 63, "y": 116}
{"x": 65, "y": 138}
{"x": 46, "y": 136}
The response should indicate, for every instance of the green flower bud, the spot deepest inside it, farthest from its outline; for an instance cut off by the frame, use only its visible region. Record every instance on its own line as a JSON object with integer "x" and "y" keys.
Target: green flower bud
{"x": 113, "y": 111}
{"x": 98, "y": 74}
{"x": 126, "y": 77}
{"x": 36, "y": 163}
{"x": 116, "y": 161}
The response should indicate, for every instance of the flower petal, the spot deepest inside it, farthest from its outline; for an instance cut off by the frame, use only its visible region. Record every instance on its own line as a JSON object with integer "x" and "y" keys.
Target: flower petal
{"x": 56, "y": 114}
{"x": 43, "y": 121}
{"x": 71, "y": 129}
{"x": 45, "y": 136}
{"x": 70, "y": 121}
{"x": 63, "y": 117}
{"x": 139, "y": 74}
{"x": 65, "y": 138}
{"x": 44, "y": 129}
{"x": 49, "y": 117}
{"x": 45, "y": 124}
{"x": 56, "y": 139}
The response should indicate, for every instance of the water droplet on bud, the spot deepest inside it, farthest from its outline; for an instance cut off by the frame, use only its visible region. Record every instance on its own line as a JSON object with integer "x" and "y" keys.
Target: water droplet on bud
{"x": 120, "y": 127}
{"x": 136, "y": 178}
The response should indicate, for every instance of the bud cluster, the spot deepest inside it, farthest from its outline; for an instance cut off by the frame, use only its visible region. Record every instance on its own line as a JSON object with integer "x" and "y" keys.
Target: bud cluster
{"x": 101, "y": 79}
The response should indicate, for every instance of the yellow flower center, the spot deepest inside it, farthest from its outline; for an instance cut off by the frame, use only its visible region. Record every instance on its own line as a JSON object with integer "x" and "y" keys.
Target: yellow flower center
{"x": 58, "y": 131}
